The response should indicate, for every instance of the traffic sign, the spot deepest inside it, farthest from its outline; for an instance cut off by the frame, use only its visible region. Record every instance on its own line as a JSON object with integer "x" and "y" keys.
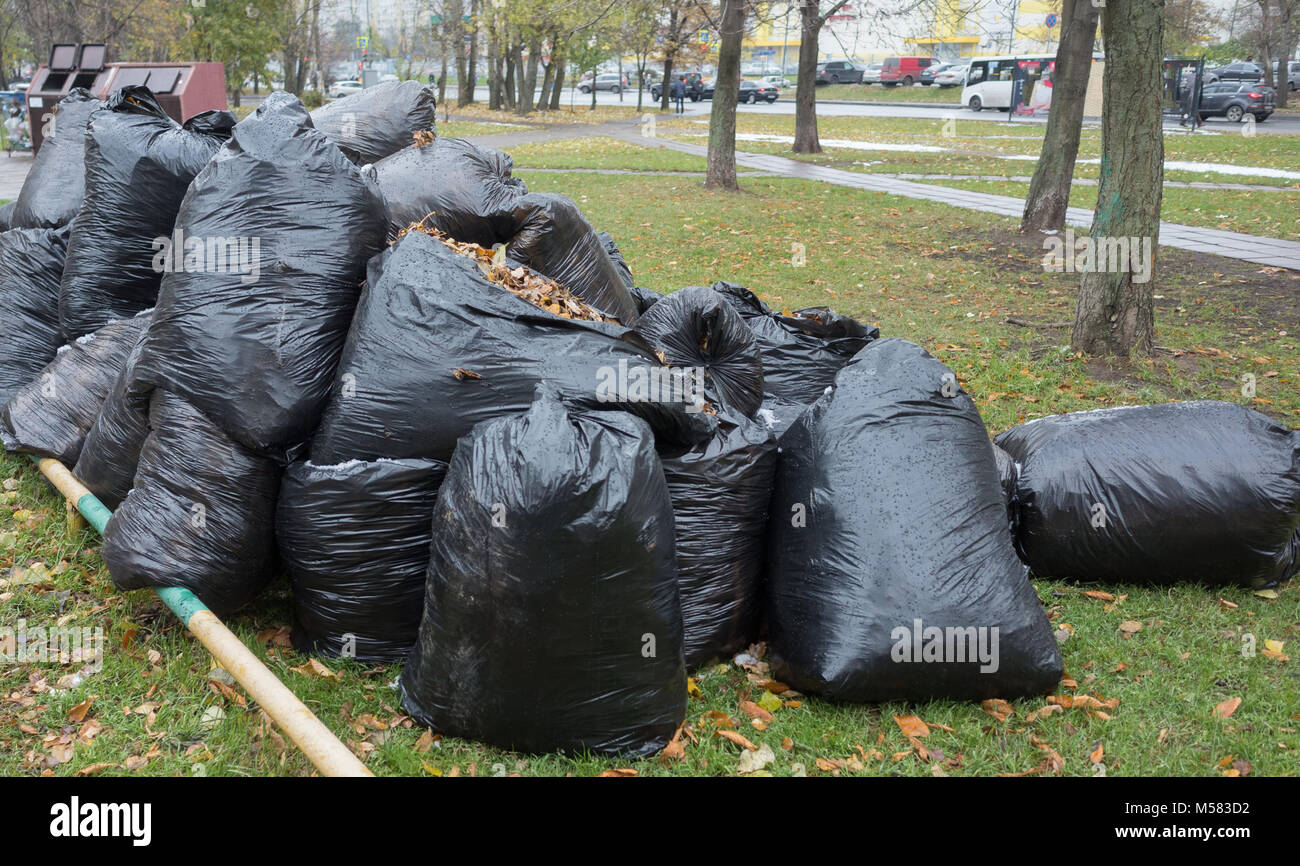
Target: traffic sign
{"x": 363, "y": 41}
{"x": 1051, "y": 19}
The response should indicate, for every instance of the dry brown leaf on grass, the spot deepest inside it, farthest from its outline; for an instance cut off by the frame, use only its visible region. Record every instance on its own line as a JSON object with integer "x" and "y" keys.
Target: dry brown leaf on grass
{"x": 618, "y": 773}
{"x": 1226, "y": 708}
{"x": 78, "y": 713}
{"x": 755, "y": 712}
{"x": 998, "y": 708}
{"x": 674, "y": 751}
{"x": 738, "y": 739}
{"x": 276, "y": 636}
{"x": 425, "y": 742}
{"x": 911, "y": 726}
{"x": 1273, "y": 650}
{"x": 1083, "y": 702}
{"x": 314, "y": 668}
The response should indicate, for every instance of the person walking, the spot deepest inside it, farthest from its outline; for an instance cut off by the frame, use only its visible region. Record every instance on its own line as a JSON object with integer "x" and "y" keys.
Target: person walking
{"x": 679, "y": 94}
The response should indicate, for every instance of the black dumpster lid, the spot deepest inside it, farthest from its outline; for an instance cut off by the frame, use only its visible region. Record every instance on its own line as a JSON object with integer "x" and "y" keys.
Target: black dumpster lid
{"x": 63, "y": 57}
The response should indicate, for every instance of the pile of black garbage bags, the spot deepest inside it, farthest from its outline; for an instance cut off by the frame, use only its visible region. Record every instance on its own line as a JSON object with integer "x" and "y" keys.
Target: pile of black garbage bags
{"x": 234, "y": 336}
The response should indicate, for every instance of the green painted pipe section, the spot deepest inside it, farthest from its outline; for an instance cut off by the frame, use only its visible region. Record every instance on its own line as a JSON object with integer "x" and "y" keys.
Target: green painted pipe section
{"x": 95, "y": 512}
{"x": 182, "y": 602}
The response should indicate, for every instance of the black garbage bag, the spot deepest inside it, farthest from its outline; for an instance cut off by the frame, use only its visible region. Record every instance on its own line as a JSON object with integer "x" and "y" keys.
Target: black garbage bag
{"x": 554, "y": 238}
{"x": 56, "y": 183}
{"x": 777, "y": 414}
{"x": 255, "y": 348}
{"x": 1008, "y": 473}
{"x": 435, "y": 348}
{"x": 111, "y": 450}
{"x": 52, "y": 414}
{"x": 802, "y": 352}
{"x": 551, "y": 619}
{"x": 201, "y": 514}
{"x": 378, "y": 121}
{"x": 644, "y": 298}
{"x": 696, "y": 328}
{"x": 31, "y": 262}
{"x": 7, "y": 216}
{"x": 463, "y": 190}
{"x": 720, "y": 492}
{"x": 139, "y": 163}
{"x": 891, "y": 571}
{"x": 616, "y": 257}
{"x": 355, "y": 541}
{"x": 1200, "y": 492}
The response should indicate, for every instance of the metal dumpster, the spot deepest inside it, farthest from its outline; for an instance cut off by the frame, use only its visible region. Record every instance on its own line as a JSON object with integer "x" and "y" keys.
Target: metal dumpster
{"x": 183, "y": 89}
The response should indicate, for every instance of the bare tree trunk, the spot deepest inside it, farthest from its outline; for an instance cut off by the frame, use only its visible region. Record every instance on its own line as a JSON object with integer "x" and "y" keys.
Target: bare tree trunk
{"x": 442, "y": 81}
{"x": 494, "y": 70}
{"x": 529, "y": 86}
{"x": 805, "y": 94}
{"x": 511, "y": 53}
{"x": 544, "y": 98}
{"x": 667, "y": 87}
{"x": 466, "y": 83}
{"x": 1115, "y": 313}
{"x": 726, "y": 93}
{"x": 557, "y": 89}
{"x": 1049, "y": 191}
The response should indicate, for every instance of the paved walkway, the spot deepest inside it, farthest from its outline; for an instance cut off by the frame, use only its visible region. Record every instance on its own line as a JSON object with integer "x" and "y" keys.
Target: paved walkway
{"x": 13, "y": 171}
{"x": 1087, "y": 181}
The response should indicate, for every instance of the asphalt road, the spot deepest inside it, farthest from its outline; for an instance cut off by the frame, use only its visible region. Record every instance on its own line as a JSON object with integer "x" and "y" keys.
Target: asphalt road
{"x": 1276, "y": 124}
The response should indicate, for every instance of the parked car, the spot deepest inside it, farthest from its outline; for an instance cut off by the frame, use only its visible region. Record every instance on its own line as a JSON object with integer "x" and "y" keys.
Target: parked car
{"x": 1293, "y": 76}
{"x": 904, "y": 70}
{"x": 929, "y": 72}
{"x": 750, "y": 92}
{"x": 345, "y": 88}
{"x": 871, "y": 73}
{"x": 759, "y": 91}
{"x": 1234, "y": 100}
{"x": 777, "y": 81}
{"x": 839, "y": 72}
{"x": 1244, "y": 71}
{"x": 694, "y": 87}
{"x": 613, "y": 82}
{"x": 953, "y": 76}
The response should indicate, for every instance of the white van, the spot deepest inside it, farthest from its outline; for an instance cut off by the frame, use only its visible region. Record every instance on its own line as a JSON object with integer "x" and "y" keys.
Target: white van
{"x": 989, "y": 79}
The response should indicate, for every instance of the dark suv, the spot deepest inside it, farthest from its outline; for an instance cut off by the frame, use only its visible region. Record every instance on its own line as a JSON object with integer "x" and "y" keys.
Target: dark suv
{"x": 1234, "y": 101}
{"x": 694, "y": 87}
{"x": 838, "y": 72}
{"x": 1236, "y": 72}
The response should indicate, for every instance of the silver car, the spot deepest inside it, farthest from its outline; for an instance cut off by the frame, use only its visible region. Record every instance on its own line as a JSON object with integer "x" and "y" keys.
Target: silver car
{"x": 953, "y": 76}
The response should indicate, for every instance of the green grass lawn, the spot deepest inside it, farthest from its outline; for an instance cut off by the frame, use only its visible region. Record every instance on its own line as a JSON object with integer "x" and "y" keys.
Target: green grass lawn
{"x": 456, "y": 128}
{"x": 602, "y": 152}
{"x": 944, "y": 277}
{"x": 1270, "y": 214}
{"x": 966, "y": 137}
